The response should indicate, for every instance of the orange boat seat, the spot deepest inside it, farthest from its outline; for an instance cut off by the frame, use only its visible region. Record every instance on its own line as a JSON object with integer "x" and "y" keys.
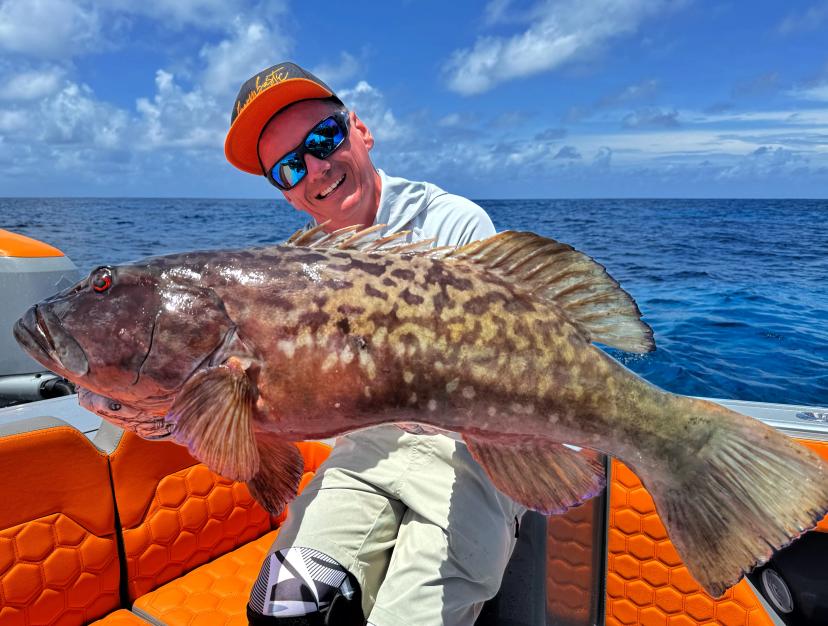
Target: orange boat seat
{"x": 215, "y": 593}
{"x": 193, "y": 540}
{"x": 58, "y": 549}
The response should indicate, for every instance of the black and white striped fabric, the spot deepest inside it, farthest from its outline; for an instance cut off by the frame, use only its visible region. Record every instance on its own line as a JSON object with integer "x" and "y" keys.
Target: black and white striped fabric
{"x": 296, "y": 581}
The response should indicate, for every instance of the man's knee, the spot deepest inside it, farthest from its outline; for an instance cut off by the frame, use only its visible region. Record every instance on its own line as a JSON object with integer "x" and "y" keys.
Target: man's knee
{"x": 304, "y": 587}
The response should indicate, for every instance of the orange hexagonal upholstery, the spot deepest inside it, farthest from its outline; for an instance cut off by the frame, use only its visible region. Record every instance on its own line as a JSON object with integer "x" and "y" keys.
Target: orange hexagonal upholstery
{"x": 176, "y": 514}
{"x": 647, "y": 583}
{"x": 821, "y": 448}
{"x": 571, "y": 560}
{"x": 58, "y": 552}
{"x": 216, "y": 593}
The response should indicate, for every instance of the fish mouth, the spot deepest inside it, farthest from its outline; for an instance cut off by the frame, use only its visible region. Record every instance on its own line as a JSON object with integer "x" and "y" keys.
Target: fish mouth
{"x": 160, "y": 429}
{"x": 41, "y": 334}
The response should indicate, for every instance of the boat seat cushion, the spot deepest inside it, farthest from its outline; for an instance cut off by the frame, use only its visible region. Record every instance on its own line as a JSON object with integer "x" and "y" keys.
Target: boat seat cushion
{"x": 215, "y": 593}
{"x": 58, "y": 551}
{"x": 175, "y": 513}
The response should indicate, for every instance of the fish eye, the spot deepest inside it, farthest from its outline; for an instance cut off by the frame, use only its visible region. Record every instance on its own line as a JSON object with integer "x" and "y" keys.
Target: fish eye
{"x": 114, "y": 406}
{"x": 101, "y": 279}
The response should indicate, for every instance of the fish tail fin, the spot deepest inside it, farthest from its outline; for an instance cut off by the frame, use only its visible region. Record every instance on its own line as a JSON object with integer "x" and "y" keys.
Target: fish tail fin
{"x": 750, "y": 491}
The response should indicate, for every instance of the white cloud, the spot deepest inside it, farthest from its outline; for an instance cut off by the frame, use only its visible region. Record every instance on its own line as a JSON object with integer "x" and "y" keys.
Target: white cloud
{"x": 810, "y": 19}
{"x": 562, "y": 32}
{"x": 176, "y": 118}
{"x": 198, "y": 117}
{"x": 450, "y": 120}
{"x": 568, "y": 152}
{"x": 177, "y": 13}
{"x": 31, "y": 85}
{"x": 12, "y": 121}
{"x": 56, "y": 29}
{"x": 818, "y": 93}
{"x": 787, "y": 117}
{"x": 335, "y": 74}
{"x": 369, "y": 104}
{"x": 602, "y": 158}
{"x": 74, "y": 116}
{"x": 651, "y": 118}
{"x": 250, "y": 48}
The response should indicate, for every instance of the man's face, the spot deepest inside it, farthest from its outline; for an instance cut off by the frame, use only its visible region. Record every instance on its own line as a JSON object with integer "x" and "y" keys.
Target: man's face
{"x": 344, "y": 187}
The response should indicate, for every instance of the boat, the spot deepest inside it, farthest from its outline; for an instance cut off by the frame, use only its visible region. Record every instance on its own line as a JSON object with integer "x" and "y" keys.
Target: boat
{"x": 98, "y": 526}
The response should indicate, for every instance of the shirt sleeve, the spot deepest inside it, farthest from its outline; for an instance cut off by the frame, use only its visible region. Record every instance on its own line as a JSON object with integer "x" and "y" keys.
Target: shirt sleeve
{"x": 455, "y": 221}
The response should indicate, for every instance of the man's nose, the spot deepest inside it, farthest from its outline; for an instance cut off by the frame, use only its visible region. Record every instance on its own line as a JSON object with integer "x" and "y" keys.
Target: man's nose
{"x": 316, "y": 167}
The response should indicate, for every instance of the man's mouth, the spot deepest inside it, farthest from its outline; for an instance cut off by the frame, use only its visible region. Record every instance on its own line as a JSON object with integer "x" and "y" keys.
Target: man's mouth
{"x": 324, "y": 194}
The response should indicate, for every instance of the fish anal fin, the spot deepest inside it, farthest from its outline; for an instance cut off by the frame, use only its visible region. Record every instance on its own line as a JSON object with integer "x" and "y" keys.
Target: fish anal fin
{"x": 557, "y": 273}
{"x": 280, "y": 470}
{"x": 213, "y": 417}
{"x": 542, "y": 475}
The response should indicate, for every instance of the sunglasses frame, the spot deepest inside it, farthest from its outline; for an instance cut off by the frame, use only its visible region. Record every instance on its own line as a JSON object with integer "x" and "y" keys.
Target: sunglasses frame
{"x": 341, "y": 118}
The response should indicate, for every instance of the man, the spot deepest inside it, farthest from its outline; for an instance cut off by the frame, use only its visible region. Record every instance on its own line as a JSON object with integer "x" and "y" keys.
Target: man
{"x": 399, "y": 526}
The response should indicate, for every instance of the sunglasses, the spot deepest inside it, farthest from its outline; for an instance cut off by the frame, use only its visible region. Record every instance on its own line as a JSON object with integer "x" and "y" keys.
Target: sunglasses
{"x": 321, "y": 142}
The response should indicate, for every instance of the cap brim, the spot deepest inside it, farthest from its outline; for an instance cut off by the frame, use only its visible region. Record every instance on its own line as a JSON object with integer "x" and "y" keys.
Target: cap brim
{"x": 243, "y": 137}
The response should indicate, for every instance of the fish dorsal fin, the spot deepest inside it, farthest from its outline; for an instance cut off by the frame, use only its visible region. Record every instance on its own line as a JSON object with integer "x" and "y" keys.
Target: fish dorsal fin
{"x": 579, "y": 285}
{"x": 365, "y": 240}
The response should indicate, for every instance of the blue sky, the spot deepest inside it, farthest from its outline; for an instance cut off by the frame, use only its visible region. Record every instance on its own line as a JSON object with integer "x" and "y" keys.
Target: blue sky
{"x": 505, "y": 99}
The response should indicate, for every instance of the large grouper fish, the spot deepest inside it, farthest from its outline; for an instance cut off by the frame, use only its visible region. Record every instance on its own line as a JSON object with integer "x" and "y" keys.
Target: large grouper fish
{"x": 236, "y": 354}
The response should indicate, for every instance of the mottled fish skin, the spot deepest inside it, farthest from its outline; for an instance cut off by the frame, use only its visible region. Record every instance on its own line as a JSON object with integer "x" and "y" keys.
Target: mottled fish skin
{"x": 358, "y": 339}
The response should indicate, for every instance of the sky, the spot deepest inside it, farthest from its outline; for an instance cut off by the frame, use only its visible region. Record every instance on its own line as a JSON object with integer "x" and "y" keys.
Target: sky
{"x": 498, "y": 99}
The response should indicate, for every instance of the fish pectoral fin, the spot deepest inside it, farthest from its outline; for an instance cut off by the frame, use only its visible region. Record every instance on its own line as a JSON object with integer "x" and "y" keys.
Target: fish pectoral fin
{"x": 542, "y": 475}
{"x": 213, "y": 417}
{"x": 280, "y": 470}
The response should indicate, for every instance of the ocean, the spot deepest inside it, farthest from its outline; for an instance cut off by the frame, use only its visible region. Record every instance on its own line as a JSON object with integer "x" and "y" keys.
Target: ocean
{"x": 735, "y": 290}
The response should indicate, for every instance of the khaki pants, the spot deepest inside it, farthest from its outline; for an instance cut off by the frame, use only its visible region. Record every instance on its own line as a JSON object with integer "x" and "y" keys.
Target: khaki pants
{"x": 415, "y": 519}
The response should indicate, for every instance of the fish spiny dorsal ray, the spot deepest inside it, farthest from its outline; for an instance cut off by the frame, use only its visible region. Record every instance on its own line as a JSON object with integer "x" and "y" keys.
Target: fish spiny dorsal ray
{"x": 556, "y": 272}
{"x": 303, "y": 237}
{"x": 361, "y": 239}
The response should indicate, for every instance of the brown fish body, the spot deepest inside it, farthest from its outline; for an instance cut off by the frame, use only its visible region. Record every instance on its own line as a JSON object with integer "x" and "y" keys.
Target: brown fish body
{"x": 348, "y": 341}
{"x": 237, "y": 353}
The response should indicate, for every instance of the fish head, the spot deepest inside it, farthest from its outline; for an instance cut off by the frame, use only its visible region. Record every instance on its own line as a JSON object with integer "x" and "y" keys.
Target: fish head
{"x": 130, "y": 334}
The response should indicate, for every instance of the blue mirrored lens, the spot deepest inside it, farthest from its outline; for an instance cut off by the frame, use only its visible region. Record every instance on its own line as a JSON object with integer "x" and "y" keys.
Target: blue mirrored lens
{"x": 290, "y": 170}
{"x": 324, "y": 139}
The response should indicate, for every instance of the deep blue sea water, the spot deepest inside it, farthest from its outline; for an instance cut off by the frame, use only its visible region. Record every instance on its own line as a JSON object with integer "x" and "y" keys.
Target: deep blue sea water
{"x": 736, "y": 290}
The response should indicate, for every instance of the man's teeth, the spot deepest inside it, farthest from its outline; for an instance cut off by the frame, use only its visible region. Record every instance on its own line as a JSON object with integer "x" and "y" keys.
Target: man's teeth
{"x": 332, "y": 187}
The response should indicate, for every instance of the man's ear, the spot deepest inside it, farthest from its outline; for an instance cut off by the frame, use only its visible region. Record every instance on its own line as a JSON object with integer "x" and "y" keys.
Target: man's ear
{"x": 359, "y": 127}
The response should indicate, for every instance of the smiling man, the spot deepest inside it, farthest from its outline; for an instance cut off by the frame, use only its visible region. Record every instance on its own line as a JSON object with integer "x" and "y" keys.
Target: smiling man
{"x": 400, "y": 524}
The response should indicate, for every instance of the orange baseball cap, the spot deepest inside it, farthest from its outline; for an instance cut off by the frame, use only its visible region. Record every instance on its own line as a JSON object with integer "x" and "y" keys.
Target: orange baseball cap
{"x": 259, "y": 99}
